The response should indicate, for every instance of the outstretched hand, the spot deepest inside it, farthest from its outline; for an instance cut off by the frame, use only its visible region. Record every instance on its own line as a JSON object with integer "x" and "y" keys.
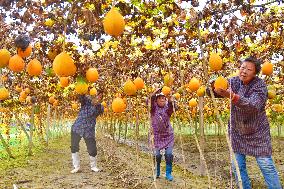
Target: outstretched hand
{"x": 223, "y": 92}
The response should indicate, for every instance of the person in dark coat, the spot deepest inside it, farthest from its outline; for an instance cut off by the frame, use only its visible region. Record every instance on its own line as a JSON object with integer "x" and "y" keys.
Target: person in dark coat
{"x": 84, "y": 127}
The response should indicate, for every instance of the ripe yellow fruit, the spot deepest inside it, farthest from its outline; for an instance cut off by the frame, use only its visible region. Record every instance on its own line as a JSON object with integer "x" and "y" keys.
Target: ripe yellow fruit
{"x": 34, "y": 68}
{"x": 81, "y": 87}
{"x": 221, "y": 83}
{"x": 104, "y": 104}
{"x": 129, "y": 88}
{"x": 114, "y": 23}
{"x": 277, "y": 108}
{"x": 51, "y": 99}
{"x": 64, "y": 81}
{"x": 55, "y": 103}
{"x": 18, "y": 89}
{"x": 74, "y": 106}
{"x": 16, "y": 63}
{"x": 215, "y": 62}
{"x": 23, "y": 95}
{"x": 27, "y": 90}
{"x": 92, "y": 75}
{"x": 177, "y": 96}
{"x": 93, "y": 91}
{"x": 4, "y": 58}
{"x": 194, "y": 84}
{"x": 4, "y": 93}
{"x": 27, "y": 52}
{"x": 267, "y": 68}
{"x": 271, "y": 93}
{"x": 192, "y": 102}
{"x": 166, "y": 90}
{"x": 201, "y": 91}
{"x": 22, "y": 99}
{"x": 63, "y": 65}
{"x": 168, "y": 80}
{"x": 139, "y": 83}
{"x": 206, "y": 107}
{"x": 118, "y": 105}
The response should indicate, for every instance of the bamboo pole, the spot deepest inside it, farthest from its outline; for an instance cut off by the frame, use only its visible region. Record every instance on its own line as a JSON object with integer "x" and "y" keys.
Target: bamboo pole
{"x": 47, "y": 124}
{"x": 31, "y": 130}
{"x": 201, "y": 129}
{"x": 119, "y": 129}
{"x": 6, "y": 146}
{"x": 151, "y": 143}
{"x": 137, "y": 137}
{"x": 204, "y": 62}
{"x": 126, "y": 126}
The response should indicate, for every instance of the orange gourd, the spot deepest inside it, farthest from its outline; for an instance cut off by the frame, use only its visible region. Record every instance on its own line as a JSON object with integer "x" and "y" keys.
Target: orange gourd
{"x": 267, "y": 68}
{"x": 194, "y": 84}
{"x": 63, "y": 65}
{"x": 118, "y": 105}
{"x": 114, "y": 23}
{"x": 92, "y": 75}
{"x": 4, "y": 58}
{"x": 166, "y": 90}
{"x": 64, "y": 81}
{"x": 215, "y": 62}
{"x": 221, "y": 83}
{"x": 4, "y": 93}
{"x": 139, "y": 83}
{"x": 27, "y": 52}
{"x": 34, "y": 68}
{"x": 16, "y": 63}
{"x": 129, "y": 88}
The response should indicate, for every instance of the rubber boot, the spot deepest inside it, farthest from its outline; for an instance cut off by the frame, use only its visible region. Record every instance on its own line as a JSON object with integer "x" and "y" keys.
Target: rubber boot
{"x": 169, "y": 166}
{"x": 93, "y": 163}
{"x": 76, "y": 162}
{"x": 158, "y": 163}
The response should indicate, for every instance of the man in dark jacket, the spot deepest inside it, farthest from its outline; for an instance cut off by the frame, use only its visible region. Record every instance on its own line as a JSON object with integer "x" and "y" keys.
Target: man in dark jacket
{"x": 84, "y": 126}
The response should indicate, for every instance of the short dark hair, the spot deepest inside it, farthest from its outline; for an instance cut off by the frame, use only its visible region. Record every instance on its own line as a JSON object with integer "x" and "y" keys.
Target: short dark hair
{"x": 257, "y": 63}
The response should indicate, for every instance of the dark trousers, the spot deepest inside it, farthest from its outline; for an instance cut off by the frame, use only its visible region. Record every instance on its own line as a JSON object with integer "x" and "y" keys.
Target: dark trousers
{"x": 90, "y": 143}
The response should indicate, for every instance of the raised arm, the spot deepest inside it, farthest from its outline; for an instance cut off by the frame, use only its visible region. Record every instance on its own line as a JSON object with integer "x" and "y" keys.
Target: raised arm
{"x": 171, "y": 106}
{"x": 152, "y": 100}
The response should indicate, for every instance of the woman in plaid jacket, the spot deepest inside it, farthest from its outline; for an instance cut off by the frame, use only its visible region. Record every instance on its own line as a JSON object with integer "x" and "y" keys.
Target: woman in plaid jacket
{"x": 161, "y": 111}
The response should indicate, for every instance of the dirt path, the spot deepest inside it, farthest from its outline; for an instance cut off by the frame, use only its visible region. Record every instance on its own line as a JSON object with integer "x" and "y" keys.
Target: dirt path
{"x": 217, "y": 159}
{"x": 51, "y": 170}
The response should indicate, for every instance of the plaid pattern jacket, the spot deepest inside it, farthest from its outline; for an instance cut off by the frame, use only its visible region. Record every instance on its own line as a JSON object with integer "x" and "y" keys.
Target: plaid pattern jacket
{"x": 162, "y": 128}
{"x": 249, "y": 128}
{"x": 86, "y": 120}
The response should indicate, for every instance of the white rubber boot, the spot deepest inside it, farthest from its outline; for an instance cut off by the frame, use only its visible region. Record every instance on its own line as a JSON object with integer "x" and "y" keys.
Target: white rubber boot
{"x": 76, "y": 162}
{"x": 93, "y": 163}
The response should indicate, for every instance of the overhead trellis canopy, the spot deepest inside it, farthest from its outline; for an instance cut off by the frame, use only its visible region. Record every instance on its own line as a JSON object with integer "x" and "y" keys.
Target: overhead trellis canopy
{"x": 159, "y": 37}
